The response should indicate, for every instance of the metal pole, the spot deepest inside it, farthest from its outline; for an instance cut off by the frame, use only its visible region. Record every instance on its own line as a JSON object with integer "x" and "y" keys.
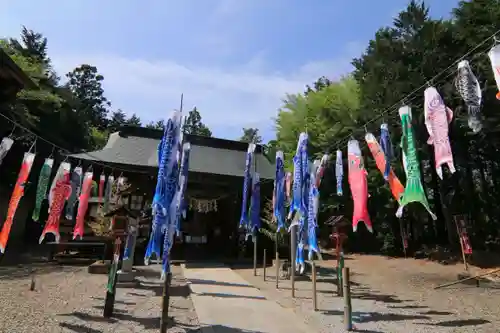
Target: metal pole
{"x": 347, "y": 300}
{"x": 264, "y": 264}
{"x": 315, "y": 299}
{"x": 165, "y": 303}
{"x": 277, "y": 260}
{"x": 293, "y": 241}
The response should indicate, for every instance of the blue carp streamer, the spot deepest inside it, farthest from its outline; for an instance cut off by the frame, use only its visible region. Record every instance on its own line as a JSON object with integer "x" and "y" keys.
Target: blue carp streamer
{"x": 339, "y": 172}
{"x": 247, "y": 183}
{"x": 279, "y": 192}
{"x": 161, "y": 201}
{"x": 317, "y": 172}
{"x": 255, "y": 207}
{"x": 386, "y": 146}
{"x": 300, "y": 197}
{"x": 183, "y": 179}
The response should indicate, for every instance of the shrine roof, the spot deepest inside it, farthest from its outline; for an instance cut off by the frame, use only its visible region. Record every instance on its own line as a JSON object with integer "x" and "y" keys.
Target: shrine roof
{"x": 138, "y": 146}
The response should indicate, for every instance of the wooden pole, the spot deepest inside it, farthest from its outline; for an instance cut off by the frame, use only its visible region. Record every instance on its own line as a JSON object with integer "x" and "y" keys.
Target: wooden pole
{"x": 293, "y": 241}
{"x": 469, "y": 278}
{"x": 165, "y": 303}
{"x": 264, "y": 264}
{"x": 315, "y": 298}
{"x": 347, "y": 300}
{"x": 254, "y": 238}
{"x": 401, "y": 231}
{"x": 277, "y": 260}
{"x": 466, "y": 267}
{"x": 109, "y": 300}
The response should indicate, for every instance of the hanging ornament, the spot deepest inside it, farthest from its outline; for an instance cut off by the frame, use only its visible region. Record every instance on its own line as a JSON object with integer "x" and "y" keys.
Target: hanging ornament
{"x": 437, "y": 118}
{"x": 494, "y": 55}
{"x": 16, "y": 197}
{"x": 359, "y": 185}
{"x": 395, "y": 185}
{"x": 63, "y": 169}
{"x": 5, "y": 146}
{"x": 339, "y": 172}
{"x": 62, "y": 192}
{"x": 43, "y": 184}
{"x": 414, "y": 191}
{"x": 76, "y": 186}
{"x": 386, "y": 147}
{"x": 83, "y": 204}
{"x": 468, "y": 87}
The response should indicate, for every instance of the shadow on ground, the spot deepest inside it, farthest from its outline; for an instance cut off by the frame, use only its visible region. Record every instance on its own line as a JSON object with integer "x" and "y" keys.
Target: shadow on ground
{"x": 157, "y": 289}
{"x": 25, "y": 270}
{"x": 459, "y": 323}
{"x": 145, "y": 322}
{"x": 222, "y": 295}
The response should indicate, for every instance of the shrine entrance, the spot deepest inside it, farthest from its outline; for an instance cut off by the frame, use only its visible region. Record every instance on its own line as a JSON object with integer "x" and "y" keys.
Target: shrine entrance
{"x": 209, "y": 231}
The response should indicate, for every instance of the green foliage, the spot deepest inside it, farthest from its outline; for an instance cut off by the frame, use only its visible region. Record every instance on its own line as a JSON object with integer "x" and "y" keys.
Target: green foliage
{"x": 397, "y": 61}
{"x": 251, "y": 135}
{"x": 193, "y": 124}
{"x": 270, "y": 225}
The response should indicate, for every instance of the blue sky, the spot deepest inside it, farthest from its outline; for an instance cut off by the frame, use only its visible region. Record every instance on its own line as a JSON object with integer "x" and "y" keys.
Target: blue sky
{"x": 233, "y": 59}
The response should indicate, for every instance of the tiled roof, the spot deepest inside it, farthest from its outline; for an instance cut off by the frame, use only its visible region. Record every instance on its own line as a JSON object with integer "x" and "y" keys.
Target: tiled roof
{"x": 142, "y": 151}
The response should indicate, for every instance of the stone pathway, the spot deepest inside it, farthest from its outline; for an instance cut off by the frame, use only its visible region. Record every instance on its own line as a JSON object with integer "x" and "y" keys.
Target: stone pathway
{"x": 225, "y": 302}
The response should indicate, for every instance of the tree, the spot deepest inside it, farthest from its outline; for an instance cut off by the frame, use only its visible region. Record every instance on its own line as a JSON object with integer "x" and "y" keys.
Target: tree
{"x": 118, "y": 119}
{"x": 251, "y": 135}
{"x": 160, "y": 124}
{"x": 86, "y": 85}
{"x": 320, "y": 83}
{"x": 193, "y": 124}
{"x": 134, "y": 120}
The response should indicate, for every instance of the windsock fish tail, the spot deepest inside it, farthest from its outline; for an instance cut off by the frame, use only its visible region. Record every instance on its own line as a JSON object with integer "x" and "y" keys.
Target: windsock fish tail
{"x": 247, "y": 183}
{"x": 361, "y": 215}
{"x": 16, "y": 197}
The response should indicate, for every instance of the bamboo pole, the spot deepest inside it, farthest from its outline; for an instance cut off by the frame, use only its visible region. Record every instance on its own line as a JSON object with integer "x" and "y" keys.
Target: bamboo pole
{"x": 264, "y": 264}
{"x": 464, "y": 258}
{"x": 277, "y": 260}
{"x": 315, "y": 298}
{"x": 469, "y": 278}
{"x": 347, "y": 300}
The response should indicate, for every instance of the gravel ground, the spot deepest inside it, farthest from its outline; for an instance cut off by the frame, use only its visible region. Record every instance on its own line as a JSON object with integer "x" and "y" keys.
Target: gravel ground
{"x": 68, "y": 299}
{"x": 390, "y": 295}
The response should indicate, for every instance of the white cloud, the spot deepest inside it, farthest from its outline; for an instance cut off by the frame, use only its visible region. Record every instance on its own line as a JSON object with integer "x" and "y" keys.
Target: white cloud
{"x": 227, "y": 99}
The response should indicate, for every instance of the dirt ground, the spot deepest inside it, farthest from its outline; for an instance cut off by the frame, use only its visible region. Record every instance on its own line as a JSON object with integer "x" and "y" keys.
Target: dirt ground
{"x": 68, "y": 299}
{"x": 390, "y": 295}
